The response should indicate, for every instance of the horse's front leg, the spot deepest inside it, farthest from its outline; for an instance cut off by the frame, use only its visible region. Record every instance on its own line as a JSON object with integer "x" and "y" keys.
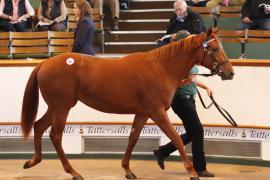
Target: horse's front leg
{"x": 160, "y": 117}
{"x": 137, "y": 126}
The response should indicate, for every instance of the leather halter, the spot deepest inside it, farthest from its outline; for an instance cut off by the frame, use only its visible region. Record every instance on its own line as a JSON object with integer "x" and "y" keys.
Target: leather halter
{"x": 216, "y": 65}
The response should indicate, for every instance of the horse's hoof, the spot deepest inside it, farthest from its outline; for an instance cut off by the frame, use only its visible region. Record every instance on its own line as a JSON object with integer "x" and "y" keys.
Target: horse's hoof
{"x": 194, "y": 178}
{"x": 26, "y": 165}
{"x": 131, "y": 176}
{"x": 77, "y": 178}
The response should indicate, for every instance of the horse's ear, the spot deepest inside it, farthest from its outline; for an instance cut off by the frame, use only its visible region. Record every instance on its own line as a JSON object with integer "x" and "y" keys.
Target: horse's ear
{"x": 209, "y": 32}
{"x": 212, "y": 30}
{"x": 215, "y": 29}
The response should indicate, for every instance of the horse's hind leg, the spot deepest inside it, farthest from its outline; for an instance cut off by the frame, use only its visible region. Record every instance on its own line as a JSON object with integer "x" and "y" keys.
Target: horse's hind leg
{"x": 160, "y": 117}
{"x": 58, "y": 125}
{"x": 137, "y": 126}
{"x": 40, "y": 127}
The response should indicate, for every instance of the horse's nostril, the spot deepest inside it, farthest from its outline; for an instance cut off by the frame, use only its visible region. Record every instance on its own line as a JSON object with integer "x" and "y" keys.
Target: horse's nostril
{"x": 231, "y": 75}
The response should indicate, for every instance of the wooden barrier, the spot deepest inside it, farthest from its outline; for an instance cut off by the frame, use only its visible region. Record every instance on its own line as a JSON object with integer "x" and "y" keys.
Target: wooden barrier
{"x": 96, "y": 17}
{"x": 22, "y": 45}
{"x": 61, "y": 42}
{"x": 244, "y": 37}
{"x": 29, "y": 44}
{"x": 46, "y": 43}
{"x": 255, "y": 36}
{"x": 230, "y": 12}
{"x": 204, "y": 11}
{"x": 69, "y": 3}
{"x": 218, "y": 12}
{"x": 4, "y": 43}
{"x": 232, "y": 35}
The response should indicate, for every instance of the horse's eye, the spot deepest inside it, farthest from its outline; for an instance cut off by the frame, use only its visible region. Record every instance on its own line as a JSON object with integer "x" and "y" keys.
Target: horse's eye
{"x": 215, "y": 49}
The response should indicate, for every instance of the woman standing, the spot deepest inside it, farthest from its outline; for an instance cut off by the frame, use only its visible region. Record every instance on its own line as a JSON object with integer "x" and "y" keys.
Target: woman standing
{"x": 15, "y": 14}
{"x": 52, "y": 15}
{"x": 84, "y": 33}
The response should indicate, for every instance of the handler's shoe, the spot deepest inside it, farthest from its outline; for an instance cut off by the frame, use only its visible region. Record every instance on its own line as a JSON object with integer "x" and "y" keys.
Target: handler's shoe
{"x": 160, "y": 158}
{"x": 205, "y": 173}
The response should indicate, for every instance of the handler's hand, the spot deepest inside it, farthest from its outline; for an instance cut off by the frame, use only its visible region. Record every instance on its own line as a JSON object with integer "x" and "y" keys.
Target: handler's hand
{"x": 209, "y": 92}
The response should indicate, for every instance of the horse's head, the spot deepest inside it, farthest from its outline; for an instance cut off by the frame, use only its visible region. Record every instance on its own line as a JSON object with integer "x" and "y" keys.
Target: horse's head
{"x": 214, "y": 57}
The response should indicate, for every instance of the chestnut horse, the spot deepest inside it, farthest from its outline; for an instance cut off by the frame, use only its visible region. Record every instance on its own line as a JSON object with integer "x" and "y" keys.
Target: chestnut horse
{"x": 142, "y": 83}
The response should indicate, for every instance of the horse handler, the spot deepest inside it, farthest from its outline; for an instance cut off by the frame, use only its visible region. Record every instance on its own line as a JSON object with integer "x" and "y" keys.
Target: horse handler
{"x": 183, "y": 105}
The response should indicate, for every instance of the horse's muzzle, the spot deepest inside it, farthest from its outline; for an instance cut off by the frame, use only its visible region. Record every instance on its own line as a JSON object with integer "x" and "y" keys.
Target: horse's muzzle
{"x": 227, "y": 76}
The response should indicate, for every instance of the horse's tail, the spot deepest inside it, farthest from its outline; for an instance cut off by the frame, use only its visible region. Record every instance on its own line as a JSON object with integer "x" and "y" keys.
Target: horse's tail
{"x": 30, "y": 103}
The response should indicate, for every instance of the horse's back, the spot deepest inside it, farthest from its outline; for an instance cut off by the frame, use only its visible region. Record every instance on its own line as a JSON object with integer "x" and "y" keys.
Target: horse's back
{"x": 74, "y": 65}
{"x": 94, "y": 81}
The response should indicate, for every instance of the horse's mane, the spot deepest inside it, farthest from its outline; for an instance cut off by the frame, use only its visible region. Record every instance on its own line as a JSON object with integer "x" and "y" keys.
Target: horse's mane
{"x": 172, "y": 49}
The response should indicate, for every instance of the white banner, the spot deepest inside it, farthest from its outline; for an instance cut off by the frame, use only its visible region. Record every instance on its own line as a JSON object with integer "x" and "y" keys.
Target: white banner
{"x": 148, "y": 130}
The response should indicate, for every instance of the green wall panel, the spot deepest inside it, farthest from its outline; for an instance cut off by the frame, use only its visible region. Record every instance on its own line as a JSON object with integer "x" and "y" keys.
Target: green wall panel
{"x": 208, "y": 22}
{"x": 233, "y": 50}
{"x": 258, "y": 51}
{"x": 35, "y": 3}
{"x": 253, "y": 51}
{"x": 229, "y": 23}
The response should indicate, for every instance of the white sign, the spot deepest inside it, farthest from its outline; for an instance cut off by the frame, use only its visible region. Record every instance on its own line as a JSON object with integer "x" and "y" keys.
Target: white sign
{"x": 148, "y": 130}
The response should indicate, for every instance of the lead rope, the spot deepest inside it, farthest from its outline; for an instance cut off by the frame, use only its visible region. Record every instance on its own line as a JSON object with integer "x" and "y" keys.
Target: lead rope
{"x": 222, "y": 111}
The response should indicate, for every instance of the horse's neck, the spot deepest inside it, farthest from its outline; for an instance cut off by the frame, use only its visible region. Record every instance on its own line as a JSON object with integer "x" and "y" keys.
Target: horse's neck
{"x": 179, "y": 58}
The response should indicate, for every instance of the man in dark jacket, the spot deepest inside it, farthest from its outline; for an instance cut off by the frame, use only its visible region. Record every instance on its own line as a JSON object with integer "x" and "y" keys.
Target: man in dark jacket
{"x": 184, "y": 19}
{"x": 256, "y": 15}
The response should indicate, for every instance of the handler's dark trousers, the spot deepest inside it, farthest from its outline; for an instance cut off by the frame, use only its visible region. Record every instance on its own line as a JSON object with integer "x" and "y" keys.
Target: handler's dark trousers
{"x": 185, "y": 108}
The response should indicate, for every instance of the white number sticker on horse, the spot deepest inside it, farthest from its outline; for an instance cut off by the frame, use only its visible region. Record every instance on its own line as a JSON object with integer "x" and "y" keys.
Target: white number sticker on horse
{"x": 70, "y": 61}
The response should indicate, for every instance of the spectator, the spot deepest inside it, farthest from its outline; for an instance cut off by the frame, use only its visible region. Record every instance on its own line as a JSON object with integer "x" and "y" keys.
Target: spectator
{"x": 84, "y": 33}
{"x": 114, "y": 6}
{"x": 256, "y": 15}
{"x": 214, "y": 3}
{"x": 197, "y": 3}
{"x": 15, "y": 14}
{"x": 52, "y": 15}
{"x": 184, "y": 19}
{"x": 232, "y": 2}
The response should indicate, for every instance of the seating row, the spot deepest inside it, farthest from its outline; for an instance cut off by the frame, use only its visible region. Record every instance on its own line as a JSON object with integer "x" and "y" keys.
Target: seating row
{"x": 45, "y": 44}
{"x": 224, "y": 17}
{"x": 34, "y": 44}
{"x": 253, "y": 43}
{"x": 49, "y": 43}
{"x": 96, "y": 16}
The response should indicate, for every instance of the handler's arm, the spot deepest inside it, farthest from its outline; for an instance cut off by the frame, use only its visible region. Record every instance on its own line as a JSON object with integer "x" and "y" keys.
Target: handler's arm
{"x": 191, "y": 78}
{"x": 203, "y": 86}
